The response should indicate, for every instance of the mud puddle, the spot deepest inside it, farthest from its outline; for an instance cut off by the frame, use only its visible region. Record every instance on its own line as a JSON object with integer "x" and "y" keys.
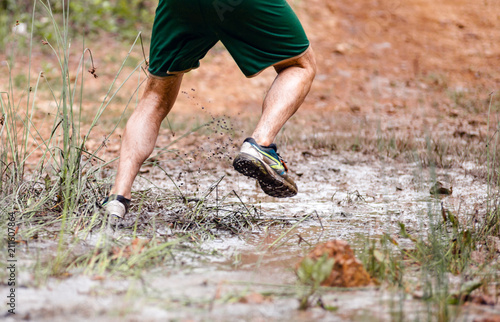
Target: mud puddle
{"x": 250, "y": 277}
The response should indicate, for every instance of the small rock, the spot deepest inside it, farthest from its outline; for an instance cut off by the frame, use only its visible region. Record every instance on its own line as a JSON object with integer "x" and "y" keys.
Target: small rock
{"x": 345, "y": 214}
{"x": 355, "y": 108}
{"x": 342, "y": 48}
{"x": 439, "y": 189}
{"x": 418, "y": 295}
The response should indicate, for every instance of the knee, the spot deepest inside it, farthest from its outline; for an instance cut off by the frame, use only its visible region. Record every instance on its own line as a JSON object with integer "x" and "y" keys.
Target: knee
{"x": 306, "y": 64}
{"x": 161, "y": 93}
{"x": 310, "y": 63}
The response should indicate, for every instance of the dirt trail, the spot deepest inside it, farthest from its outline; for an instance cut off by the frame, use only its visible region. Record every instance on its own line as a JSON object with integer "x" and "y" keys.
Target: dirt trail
{"x": 420, "y": 46}
{"x": 409, "y": 66}
{"x": 361, "y": 197}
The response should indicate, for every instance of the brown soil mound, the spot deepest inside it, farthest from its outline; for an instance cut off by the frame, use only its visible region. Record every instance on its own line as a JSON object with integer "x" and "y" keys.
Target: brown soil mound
{"x": 347, "y": 270}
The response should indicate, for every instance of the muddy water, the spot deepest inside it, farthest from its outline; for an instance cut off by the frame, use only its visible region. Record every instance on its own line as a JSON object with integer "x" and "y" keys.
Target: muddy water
{"x": 348, "y": 196}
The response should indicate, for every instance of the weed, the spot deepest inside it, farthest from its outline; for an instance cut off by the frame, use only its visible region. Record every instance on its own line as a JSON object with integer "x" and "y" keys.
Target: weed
{"x": 450, "y": 244}
{"x": 445, "y": 249}
{"x": 48, "y": 177}
{"x": 381, "y": 261}
{"x": 313, "y": 273}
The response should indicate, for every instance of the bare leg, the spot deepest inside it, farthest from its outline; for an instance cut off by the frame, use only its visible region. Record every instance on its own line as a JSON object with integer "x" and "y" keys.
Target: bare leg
{"x": 285, "y": 96}
{"x": 141, "y": 131}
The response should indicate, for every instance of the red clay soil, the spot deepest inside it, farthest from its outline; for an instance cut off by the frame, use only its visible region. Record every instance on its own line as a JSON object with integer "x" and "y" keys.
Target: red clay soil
{"x": 404, "y": 62}
{"x": 419, "y": 46}
{"x": 347, "y": 270}
{"x": 390, "y": 59}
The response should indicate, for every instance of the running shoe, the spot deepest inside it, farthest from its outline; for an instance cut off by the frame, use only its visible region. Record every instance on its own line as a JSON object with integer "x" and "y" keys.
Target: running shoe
{"x": 265, "y": 164}
{"x": 116, "y": 207}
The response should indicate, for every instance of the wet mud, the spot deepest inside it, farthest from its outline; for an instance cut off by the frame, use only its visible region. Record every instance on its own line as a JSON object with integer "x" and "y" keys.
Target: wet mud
{"x": 250, "y": 276}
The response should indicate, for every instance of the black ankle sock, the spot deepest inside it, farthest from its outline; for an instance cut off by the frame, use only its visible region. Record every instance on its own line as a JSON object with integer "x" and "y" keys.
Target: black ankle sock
{"x": 120, "y": 198}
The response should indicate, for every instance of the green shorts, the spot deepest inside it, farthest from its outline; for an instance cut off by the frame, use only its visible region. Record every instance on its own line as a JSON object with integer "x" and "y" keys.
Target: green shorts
{"x": 257, "y": 34}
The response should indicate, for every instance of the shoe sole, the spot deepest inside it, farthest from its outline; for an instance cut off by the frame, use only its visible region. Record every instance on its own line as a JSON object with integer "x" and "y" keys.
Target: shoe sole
{"x": 270, "y": 182}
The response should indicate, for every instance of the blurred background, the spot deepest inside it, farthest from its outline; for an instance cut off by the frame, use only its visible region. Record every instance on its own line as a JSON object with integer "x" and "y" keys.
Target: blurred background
{"x": 386, "y": 68}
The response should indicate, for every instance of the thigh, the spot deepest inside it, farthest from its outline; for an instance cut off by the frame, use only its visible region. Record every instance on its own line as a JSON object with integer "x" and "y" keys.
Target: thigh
{"x": 180, "y": 37}
{"x": 258, "y": 33}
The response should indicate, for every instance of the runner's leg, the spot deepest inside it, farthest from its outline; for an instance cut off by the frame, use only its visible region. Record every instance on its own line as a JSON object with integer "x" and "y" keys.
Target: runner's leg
{"x": 285, "y": 96}
{"x": 141, "y": 131}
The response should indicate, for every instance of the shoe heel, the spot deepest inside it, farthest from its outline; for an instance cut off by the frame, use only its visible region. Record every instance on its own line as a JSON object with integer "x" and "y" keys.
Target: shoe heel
{"x": 249, "y": 166}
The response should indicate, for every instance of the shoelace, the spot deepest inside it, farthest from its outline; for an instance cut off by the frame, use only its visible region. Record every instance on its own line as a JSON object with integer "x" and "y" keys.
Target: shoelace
{"x": 282, "y": 162}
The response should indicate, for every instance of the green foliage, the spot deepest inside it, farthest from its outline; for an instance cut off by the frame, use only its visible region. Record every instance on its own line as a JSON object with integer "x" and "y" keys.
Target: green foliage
{"x": 312, "y": 273}
{"x": 444, "y": 249}
{"x": 116, "y": 16}
{"x": 66, "y": 167}
{"x": 381, "y": 262}
{"x": 12, "y": 14}
{"x": 90, "y": 18}
{"x": 449, "y": 244}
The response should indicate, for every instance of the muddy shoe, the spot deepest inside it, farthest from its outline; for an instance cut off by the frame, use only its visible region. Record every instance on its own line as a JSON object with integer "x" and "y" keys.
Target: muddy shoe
{"x": 264, "y": 164}
{"x": 116, "y": 207}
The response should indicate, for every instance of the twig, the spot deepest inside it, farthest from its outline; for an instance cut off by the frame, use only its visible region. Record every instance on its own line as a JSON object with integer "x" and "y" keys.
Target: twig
{"x": 319, "y": 219}
{"x": 248, "y": 211}
{"x": 289, "y": 230}
{"x": 322, "y": 228}
{"x": 143, "y": 52}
